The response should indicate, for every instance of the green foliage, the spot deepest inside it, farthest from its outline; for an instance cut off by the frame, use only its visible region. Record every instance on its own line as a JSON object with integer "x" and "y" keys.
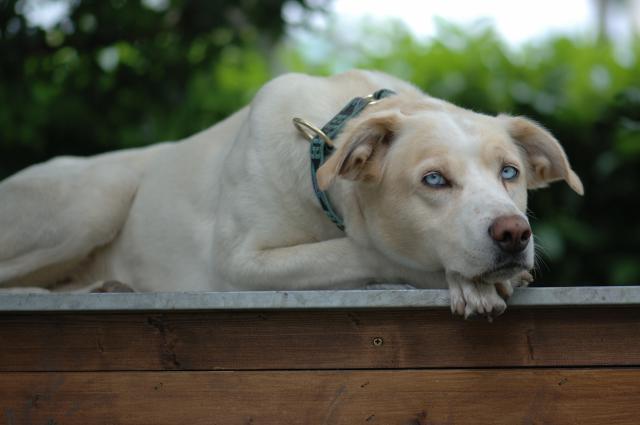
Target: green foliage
{"x": 124, "y": 73}
{"x": 587, "y": 94}
{"x": 118, "y": 74}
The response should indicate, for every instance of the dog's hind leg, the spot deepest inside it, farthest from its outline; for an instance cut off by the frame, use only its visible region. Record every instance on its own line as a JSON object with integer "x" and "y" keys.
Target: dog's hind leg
{"x": 24, "y": 290}
{"x": 112, "y": 286}
{"x": 53, "y": 215}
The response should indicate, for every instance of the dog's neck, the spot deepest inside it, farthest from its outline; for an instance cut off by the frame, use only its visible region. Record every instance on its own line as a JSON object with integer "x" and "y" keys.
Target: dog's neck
{"x": 322, "y": 144}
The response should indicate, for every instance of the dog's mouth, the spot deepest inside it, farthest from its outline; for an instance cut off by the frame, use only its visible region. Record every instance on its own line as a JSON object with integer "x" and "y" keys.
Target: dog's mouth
{"x": 502, "y": 271}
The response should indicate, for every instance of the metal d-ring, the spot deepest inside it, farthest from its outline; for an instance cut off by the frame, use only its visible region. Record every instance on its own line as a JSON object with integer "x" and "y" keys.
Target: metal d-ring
{"x": 305, "y": 127}
{"x": 371, "y": 100}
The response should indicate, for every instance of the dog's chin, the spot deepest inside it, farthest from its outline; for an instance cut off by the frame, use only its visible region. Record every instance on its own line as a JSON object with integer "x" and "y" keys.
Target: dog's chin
{"x": 502, "y": 272}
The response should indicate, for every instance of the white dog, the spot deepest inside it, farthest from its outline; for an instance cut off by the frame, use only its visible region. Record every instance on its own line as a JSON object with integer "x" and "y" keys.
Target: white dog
{"x": 428, "y": 193}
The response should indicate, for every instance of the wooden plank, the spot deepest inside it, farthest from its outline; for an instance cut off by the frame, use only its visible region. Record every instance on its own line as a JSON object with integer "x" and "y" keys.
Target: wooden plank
{"x": 516, "y": 396}
{"x": 318, "y": 340}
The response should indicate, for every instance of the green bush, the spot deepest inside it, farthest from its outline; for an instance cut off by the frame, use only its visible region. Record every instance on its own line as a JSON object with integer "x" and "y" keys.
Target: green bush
{"x": 586, "y": 93}
{"x": 120, "y": 73}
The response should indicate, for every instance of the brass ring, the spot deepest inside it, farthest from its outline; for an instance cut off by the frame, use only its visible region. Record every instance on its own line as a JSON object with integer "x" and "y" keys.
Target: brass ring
{"x": 304, "y": 126}
{"x": 370, "y": 99}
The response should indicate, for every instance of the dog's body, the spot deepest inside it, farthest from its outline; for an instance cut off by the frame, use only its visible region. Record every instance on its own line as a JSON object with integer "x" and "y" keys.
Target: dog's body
{"x": 232, "y": 208}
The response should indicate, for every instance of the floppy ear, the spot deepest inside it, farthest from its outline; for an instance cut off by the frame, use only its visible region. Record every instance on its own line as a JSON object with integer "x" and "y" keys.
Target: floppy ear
{"x": 546, "y": 158}
{"x": 361, "y": 155}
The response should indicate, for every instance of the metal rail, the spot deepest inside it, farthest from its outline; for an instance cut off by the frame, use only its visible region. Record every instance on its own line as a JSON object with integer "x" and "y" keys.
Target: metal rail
{"x": 272, "y": 300}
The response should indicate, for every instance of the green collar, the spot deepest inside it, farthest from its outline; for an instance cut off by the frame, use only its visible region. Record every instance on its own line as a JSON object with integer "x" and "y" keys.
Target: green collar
{"x": 322, "y": 143}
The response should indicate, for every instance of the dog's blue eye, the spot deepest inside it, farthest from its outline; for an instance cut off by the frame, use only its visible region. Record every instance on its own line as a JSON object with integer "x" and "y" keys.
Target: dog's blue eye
{"x": 509, "y": 172}
{"x": 435, "y": 179}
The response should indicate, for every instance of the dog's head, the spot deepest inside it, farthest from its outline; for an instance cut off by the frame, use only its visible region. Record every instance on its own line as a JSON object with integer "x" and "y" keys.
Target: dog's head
{"x": 443, "y": 187}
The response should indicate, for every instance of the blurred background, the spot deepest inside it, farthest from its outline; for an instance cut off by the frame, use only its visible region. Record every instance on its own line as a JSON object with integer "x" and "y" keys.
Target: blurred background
{"x": 82, "y": 77}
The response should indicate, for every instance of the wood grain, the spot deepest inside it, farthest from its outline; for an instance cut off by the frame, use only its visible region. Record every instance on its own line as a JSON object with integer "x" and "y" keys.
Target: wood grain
{"x": 516, "y": 396}
{"x": 318, "y": 340}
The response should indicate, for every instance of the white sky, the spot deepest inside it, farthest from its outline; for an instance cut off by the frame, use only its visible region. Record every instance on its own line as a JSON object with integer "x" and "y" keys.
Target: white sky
{"x": 517, "y": 21}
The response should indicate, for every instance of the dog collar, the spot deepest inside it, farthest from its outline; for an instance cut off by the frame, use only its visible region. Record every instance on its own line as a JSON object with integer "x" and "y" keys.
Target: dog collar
{"x": 322, "y": 143}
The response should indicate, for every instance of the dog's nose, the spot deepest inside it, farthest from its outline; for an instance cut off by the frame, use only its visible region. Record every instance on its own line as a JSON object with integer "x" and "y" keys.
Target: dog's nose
{"x": 511, "y": 233}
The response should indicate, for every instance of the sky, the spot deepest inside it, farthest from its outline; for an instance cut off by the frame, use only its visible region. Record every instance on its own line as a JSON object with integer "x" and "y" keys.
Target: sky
{"x": 517, "y": 21}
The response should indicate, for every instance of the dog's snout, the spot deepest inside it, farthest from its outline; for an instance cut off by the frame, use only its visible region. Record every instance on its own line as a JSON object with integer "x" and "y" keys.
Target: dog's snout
{"x": 511, "y": 233}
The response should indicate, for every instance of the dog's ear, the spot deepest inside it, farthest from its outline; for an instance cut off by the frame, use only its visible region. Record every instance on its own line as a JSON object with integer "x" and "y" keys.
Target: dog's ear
{"x": 361, "y": 154}
{"x": 545, "y": 157}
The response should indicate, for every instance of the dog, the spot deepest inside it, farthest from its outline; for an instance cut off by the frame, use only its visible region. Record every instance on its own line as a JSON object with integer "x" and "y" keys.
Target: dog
{"x": 408, "y": 188}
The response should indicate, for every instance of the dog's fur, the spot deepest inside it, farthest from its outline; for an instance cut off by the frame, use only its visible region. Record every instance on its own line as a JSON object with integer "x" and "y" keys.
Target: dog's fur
{"x": 232, "y": 208}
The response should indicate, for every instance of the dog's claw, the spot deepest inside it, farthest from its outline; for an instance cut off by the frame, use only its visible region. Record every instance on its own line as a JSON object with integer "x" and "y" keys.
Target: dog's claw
{"x": 469, "y": 313}
{"x": 504, "y": 289}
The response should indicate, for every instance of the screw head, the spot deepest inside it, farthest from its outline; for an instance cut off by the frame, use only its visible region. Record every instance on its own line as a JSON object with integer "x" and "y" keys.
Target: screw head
{"x": 377, "y": 341}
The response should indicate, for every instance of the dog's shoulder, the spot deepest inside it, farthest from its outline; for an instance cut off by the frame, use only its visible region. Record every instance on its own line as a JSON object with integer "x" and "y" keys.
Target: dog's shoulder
{"x": 355, "y": 82}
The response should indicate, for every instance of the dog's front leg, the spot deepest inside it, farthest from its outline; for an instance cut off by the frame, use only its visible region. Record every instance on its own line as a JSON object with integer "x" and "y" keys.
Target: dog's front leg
{"x": 470, "y": 298}
{"x": 334, "y": 263}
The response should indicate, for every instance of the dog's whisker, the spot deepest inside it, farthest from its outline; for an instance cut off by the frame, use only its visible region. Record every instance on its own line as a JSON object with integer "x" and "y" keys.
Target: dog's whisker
{"x": 531, "y": 214}
{"x": 539, "y": 262}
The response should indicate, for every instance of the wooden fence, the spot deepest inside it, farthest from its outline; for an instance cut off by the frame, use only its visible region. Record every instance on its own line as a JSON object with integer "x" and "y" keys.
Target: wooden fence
{"x": 557, "y": 356}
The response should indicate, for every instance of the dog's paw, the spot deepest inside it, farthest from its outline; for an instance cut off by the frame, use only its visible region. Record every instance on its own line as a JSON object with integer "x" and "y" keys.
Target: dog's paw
{"x": 470, "y": 299}
{"x": 522, "y": 280}
{"x": 505, "y": 289}
{"x": 112, "y": 286}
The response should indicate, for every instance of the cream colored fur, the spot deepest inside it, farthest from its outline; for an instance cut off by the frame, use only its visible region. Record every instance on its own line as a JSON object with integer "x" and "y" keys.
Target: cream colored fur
{"x": 232, "y": 208}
